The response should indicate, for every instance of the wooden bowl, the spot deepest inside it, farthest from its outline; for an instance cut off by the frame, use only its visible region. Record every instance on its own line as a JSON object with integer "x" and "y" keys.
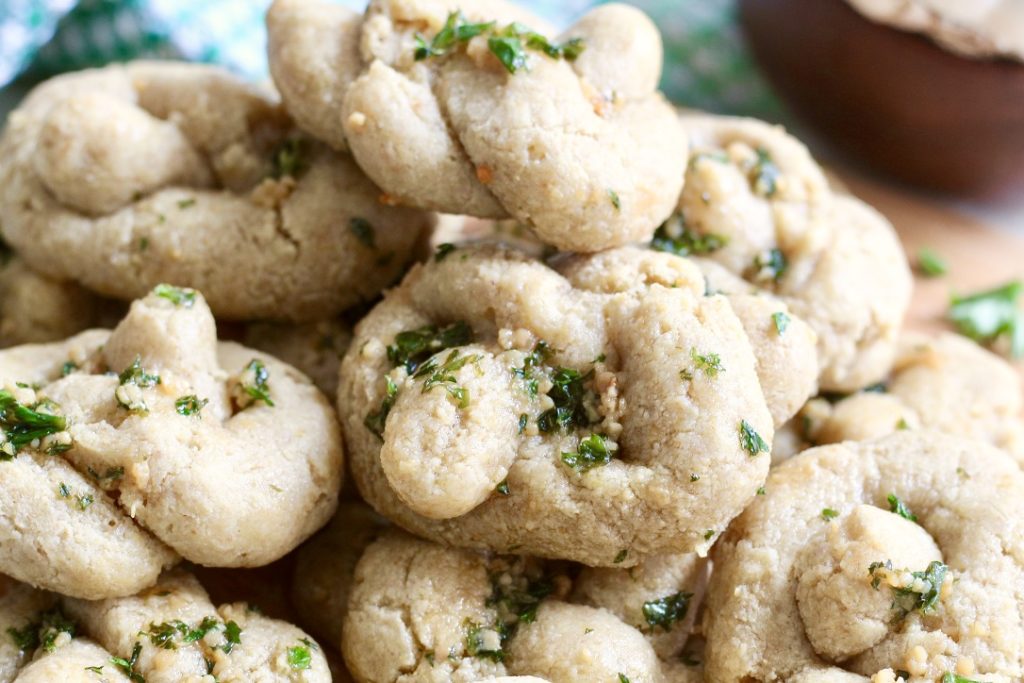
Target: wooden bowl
{"x": 894, "y": 100}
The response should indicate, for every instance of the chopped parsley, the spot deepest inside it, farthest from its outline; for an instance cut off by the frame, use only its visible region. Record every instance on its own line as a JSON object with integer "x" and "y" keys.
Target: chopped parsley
{"x": 85, "y": 500}
{"x": 769, "y": 265}
{"x": 111, "y": 475}
{"x": 569, "y": 394}
{"x": 665, "y": 612}
{"x": 760, "y": 490}
{"x": 502, "y": 488}
{"x": 950, "y": 677}
{"x": 898, "y": 507}
{"x": 709, "y": 363}
{"x": 709, "y": 534}
{"x": 781, "y": 321}
{"x": 443, "y": 375}
{"x": 254, "y": 382}
{"x": 921, "y": 594}
{"x": 165, "y": 635}
{"x": 442, "y": 251}
{"x": 232, "y": 636}
{"x": 132, "y": 380}
{"x": 531, "y": 365}
{"x": 455, "y": 30}
{"x": 621, "y": 555}
{"x": 68, "y": 368}
{"x": 674, "y": 237}
{"x": 985, "y": 316}
{"x": 412, "y": 347}
{"x": 614, "y": 197}
{"x": 98, "y": 670}
{"x": 181, "y": 297}
{"x": 509, "y": 45}
{"x": 930, "y": 263}
{"x": 829, "y": 513}
{"x": 288, "y": 159}
{"x": 592, "y": 452}
{"x": 127, "y": 666}
{"x": 374, "y": 421}
{"x": 524, "y": 419}
{"x": 22, "y": 425}
{"x": 190, "y": 405}
{"x": 186, "y": 203}
{"x": 751, "y": 441}
{"x": 764, "y": 174}
{"x": 623, "y": 678}
{"x": 42, "y": 633}
{"x": 363, "y": 231}
{"x": 477, "y": 644}
{"x": 136, "y": 374}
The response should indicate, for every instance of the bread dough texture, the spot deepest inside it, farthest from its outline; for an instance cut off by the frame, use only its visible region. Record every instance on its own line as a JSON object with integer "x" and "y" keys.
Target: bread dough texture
{"x": 163, "y": 447}
{"x": 757, "y": 204}
{"x": 939, "y": 382}
{"x": 499, "y": 615}
{"x": 325, "y": 566}
{"x": 169, "y": 633}
{"x": 124, "y": 177}
{"x": 34, "y": 308}
{"x": 637, "y": 425}
{"x": 584, "y": 150}
{"x": 796, "y": 593}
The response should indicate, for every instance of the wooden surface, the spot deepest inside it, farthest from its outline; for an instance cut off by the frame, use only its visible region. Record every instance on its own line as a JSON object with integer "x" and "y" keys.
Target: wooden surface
{"x": 980, "y": 256}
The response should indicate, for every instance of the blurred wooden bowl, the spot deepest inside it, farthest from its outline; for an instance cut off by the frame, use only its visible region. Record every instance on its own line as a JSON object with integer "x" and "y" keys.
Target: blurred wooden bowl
{"x": 894, "y": 100}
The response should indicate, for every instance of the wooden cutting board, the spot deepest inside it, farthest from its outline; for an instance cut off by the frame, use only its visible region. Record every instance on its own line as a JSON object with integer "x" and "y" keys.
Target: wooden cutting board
{"x": 980, "y": 256}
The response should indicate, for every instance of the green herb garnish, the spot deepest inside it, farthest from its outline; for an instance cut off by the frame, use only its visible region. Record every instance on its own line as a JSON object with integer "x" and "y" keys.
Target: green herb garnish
{"x": 764, "y": 174}
{"x": 412, "y": 347}
{"x": 127, "y": 666}
{"x": 898, "y": 507}
{"x": 770, "y": 265}
{"x": 502, "y": 488}
{"x": 442, "y": 251}
{"x": 182, "y": 297}
{"x": 781, "y": 321}
{"x": 288, "y": 159}
{"x": 665, "y": 612}
{"x": 674, "y": 237}
{"x": 751, "y": 441}
{"x": 22, "y": 425}
{"x": 569, "y": 394}
{"x": 829, "y": 513}
{"x": 375, "y": 420}
{"x": 985, "y": 316}
{"x": 930, "y": 263}
{"x": 621, "y": 556}
{"x": 950, "y": 677}
{"x": 476, "y": 647}
{"x": 190, "y": 405}
{"x": 256, "y": 387}
{"x": 923, "y": 592}
{"x": 232, "y": 636}
{"x": 614, "y": 196}
{"x": 443, "y": 375}
{"x": 299, "y": 658}
{"x": 709, "y": 363}
{"x": 591, "y": 452}
{"x": 455, "y": 30}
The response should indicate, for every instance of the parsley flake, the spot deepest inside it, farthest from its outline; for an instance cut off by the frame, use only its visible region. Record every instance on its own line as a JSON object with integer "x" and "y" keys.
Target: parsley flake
{"x": 443, "y": 375}
{"x": 299, "y": 658}
{"x": 829, "y": 513}
{"x": 592, "y": 452}
{"x": 614, "y": 197}
{"x": 288, "y": 159}
{"x": 23, "y": 425}
{"x": 751, "y": 441}
{"x": 374, "y": 421}
{"x": 898, "y": 507}
{"x": 781, "y": 321}
{"x": 665, "y": 612}
{"x": 181, "y": 297}
{"x": 930, "y": 263}
{"x": 412, "y": 347}
{"x": 985, "y": 316}
{"x": 253, "y": 383}
{"x": 190, "y": 405}
{"x": 127, "y": 666}
{"x": 674, "y": 237}
{"x": 442, "y": 251}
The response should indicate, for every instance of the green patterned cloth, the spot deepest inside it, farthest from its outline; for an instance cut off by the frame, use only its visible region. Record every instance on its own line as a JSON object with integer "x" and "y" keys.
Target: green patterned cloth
{"x": 707, "y": 65}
